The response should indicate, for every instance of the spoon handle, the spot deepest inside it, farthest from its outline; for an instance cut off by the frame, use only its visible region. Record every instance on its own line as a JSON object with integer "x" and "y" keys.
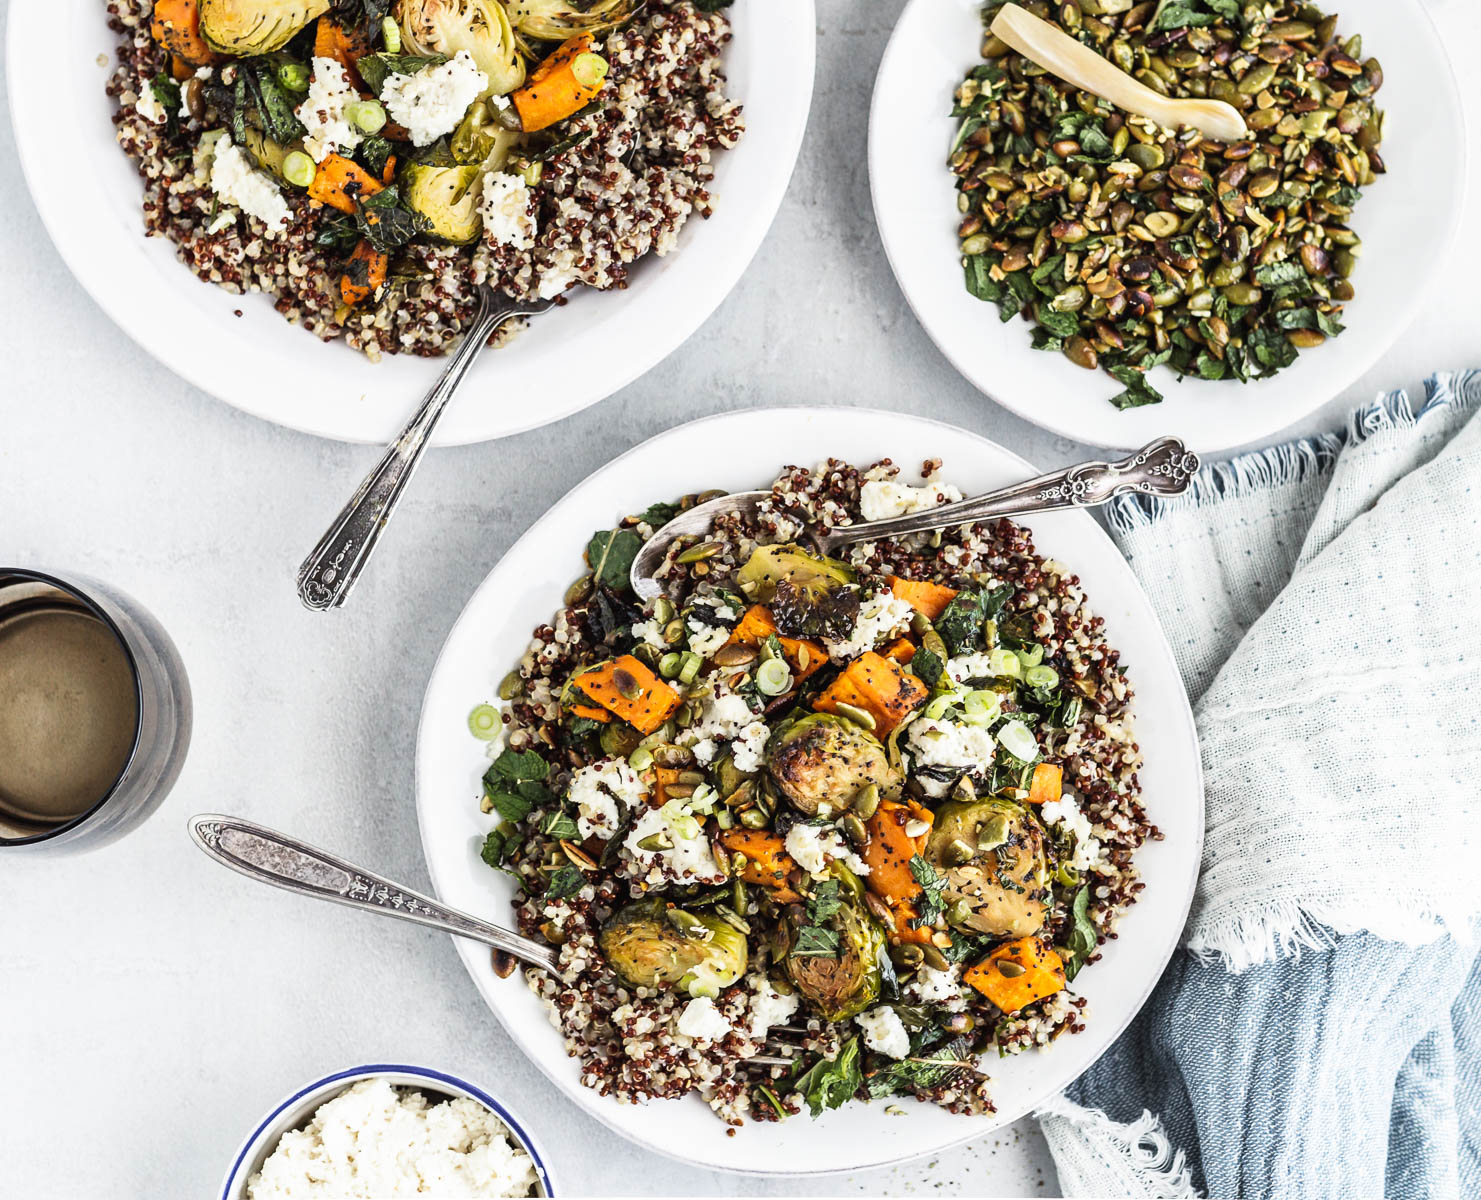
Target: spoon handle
{"x": 1161, "y": 468}
{"x": 1077, "y": 64}
{"x": 271, "y": 857}
{"x": 330, "y": 571}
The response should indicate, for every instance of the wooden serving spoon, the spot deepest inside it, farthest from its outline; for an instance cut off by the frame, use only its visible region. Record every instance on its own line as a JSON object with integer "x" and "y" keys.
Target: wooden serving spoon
{"x": 1076, "y": 63}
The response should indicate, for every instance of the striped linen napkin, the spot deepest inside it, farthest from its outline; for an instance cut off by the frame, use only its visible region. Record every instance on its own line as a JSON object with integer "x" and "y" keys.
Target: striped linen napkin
{"x": 1320, "y": 1034}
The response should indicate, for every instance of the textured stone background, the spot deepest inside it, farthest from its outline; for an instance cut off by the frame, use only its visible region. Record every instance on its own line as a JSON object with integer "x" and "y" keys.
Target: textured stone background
{"x": 177, "y": 1002}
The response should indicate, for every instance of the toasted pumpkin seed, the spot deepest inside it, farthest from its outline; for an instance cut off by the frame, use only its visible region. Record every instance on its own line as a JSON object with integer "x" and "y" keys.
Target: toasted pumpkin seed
{"x": 1010, "y": 969}
{"x": 857, "y": 715}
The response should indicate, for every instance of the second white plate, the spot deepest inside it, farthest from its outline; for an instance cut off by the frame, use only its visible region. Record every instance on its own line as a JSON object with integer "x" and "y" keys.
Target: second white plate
{"x": 1406, "y": 220}
{"x": 741, "y": 451}
{"x": 239, "y": 349}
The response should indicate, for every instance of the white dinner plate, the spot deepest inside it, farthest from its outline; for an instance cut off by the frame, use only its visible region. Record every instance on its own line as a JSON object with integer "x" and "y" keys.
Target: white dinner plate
{"x": 60, "y": 55}
{"x": 741, "y": 451}
{"x": 1406, "y": 220}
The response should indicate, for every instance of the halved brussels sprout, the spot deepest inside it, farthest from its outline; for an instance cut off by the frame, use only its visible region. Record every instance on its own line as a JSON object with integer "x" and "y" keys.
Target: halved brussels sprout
{"x": 268, "y": 154}
{"x": 556, "y": 20}
{"x": 652, "y": 945}
{"x": 480, "y": 27}
{"x": 991, "y": 853}
{"x": 841, "y": 985}
{"x": 811, "y": 575}
{"x": 248, "y": 27}
{"x": 825, "y": 759}
{"x": 448, "y": 197}
{"x": 481, "y": 140}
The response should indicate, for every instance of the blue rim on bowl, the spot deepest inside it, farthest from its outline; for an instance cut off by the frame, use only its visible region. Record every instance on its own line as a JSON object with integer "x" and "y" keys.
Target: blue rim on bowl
{"x": 251, "y": 1148}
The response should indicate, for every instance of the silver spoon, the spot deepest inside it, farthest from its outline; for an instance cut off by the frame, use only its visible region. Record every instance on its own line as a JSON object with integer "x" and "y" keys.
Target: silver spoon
{"x": 271, "y": 857}
{"x": 1161, "y": 468}
{"x": 330, "y": 571}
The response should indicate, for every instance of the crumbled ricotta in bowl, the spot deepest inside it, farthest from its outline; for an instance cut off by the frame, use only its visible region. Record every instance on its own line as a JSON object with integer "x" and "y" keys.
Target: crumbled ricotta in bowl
{"x": 376, "y": 1140}
{"x": 814, "y": 846}
{"x": 702, "y": 1021}
{"x": 688, "y": 860}
{"x": 930, "y": 986}
{"x": 1065, "y": 813}
{"x": 240, "y": 184}
{"x": 601, "y": 794}
{"x": 769, "y": 1007}
{"x": 432, "y": 102}
{"x": 726, "y": 717}
{"x": 941, "y": 743}
{"x": 323, "y": 111}
{"x": 880, "y": 499}
{"x": 881, "y": 616}
{"x": 884, "y": 1031}
{"x": 148, "y": 105}
{"x": 507, "y": 221}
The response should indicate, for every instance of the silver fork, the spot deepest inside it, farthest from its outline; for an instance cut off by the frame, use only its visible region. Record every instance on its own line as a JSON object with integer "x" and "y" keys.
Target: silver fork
{"x": 330, "y": 571}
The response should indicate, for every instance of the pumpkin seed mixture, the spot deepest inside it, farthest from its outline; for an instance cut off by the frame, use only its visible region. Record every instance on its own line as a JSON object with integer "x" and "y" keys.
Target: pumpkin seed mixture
{"x": 869, "y": 816}
{"x": 369, "y": 163}
{"x": 1127, "y": 245}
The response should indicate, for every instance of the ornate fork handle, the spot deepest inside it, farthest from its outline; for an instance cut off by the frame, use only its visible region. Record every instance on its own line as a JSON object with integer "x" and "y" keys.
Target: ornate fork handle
{"x": 271, "y": 857}
{"x": 1161, "y": 468}
{"x": 330, "y": 571}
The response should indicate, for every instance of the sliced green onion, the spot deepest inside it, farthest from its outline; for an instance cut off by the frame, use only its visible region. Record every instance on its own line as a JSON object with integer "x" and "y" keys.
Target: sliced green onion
{"x": 668, "y": 665}
{"x": 936, "y": 709}
{"x": 689, "y": 670}
{"x": 703, "y": 800}
{"x": 1004, "y": 662}
{"x": 391, "y": 35}
{"x": 1018, "y": 740}
{"x": 981, "y": 708}
{"x": 589, "y": 69}
{"x": 1031, "y": 656}
{"x": 368, "y": 116}
{"x": 773, "y": 677}
{"x": 640, "y": 759}
{"x": 298, "y": 168}
{"x": 533, "y": 172}
{"x": 294, "y": 76}
{"x": 1041, "y": 677}
{"x": 484, "y": 722}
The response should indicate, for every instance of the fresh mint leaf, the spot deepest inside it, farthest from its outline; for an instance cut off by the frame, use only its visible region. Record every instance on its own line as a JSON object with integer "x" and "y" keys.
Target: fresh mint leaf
{"x": 813, "y": 941}
{"x": 930, "y": 905}
{"x": 610, "y": 553}
{"x": 519, "y": 764}
{"x": 493, "y": 849}
{"x": 566, "y": 881}
{"x": 375, "y": 69}
{"x": 923, "y": 1070}
{"x": 831, "y": 1082}
{"x": 659, "y": 514}
{"x": 1083, "y": 938}
{"x": 826, "y": 899}
{"x": 558, "y": 825}
{"x": 1138, "y": 390}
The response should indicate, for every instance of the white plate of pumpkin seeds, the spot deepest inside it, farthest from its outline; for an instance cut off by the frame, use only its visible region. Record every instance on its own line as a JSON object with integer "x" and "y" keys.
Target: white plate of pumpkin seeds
{"x": 526, "y": 589}
{"x": 1242, "y": 301}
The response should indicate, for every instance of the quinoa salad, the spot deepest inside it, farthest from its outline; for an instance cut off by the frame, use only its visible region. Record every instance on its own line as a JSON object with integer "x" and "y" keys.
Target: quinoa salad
{"x": 370, "y": 164}
{"x": 810, "y": 830}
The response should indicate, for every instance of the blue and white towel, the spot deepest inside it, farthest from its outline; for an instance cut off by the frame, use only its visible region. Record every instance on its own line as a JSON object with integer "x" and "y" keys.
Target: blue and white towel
{"x": 1320, "y": 1034}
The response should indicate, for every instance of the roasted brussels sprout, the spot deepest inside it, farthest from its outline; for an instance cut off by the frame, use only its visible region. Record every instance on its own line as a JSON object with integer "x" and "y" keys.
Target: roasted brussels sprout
{"x": 556, "y": 20}
{"x": 652, "y": 945}
{"x": 249, "y": 27}
{"x": 448, "y": 197}
{"x": 823, "y": 759}
{"x": 480, "y": 27}
{"x": 991, "y": 853}
{"x": 268, "y": 154}
{"x": 481, "y": 141}
{"x": 814, "y": 577}
{"x": 834, "y": 962}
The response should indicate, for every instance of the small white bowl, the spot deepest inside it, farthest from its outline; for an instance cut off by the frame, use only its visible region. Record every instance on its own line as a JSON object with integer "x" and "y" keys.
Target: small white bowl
{"x": 296, "y": 1109}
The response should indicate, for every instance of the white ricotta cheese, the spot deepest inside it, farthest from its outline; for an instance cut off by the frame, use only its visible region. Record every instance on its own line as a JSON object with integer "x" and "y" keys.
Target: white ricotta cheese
{"x": 377, "y": 1140}
{"x": 884, "y": 1031}
{"x": 1065, "y": 813}
{"x": 432, "y": 102}
{"x": 705, "y": 640}
{"x": 602, "y": 792}
{"x": 815, "y": 846}
{"x": 323, "y": 111}
{"x": 238, "y": 183}
{"x": 942, "y": 988}
{"x": 650, "y": 632}
{"x": 507, "y": 220}
{"x": 725, "y": 717}
{"x": 936, "y": 742}
{"x": 688, "y": 860}
{"x": 148, "y": 105}
{"x": 881, "y": 616}
{"x": 880, "y": 499}
{"x": 749, "y": 748}
{"x": 704, "y": 1022}
{"x": 769, "y": 1007}
{"x": 969, "y": 666}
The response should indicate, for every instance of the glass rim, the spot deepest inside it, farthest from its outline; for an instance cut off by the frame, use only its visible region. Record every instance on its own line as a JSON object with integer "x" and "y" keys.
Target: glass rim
{"x": 75, "y": 591}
